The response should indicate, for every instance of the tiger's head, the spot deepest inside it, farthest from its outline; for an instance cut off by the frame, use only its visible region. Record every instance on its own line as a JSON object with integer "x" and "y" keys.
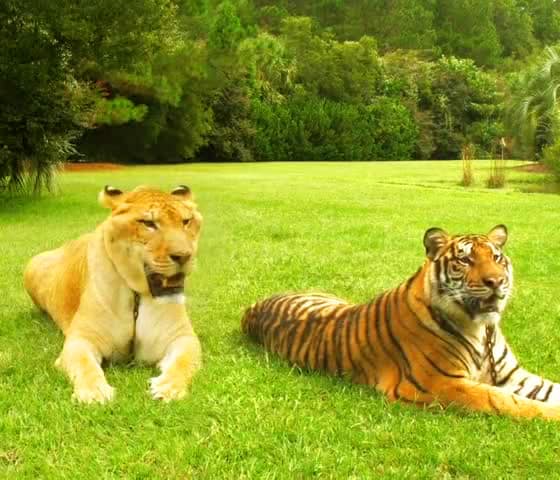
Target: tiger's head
{"x": 470, "y": 277}
{"x": 151, "y": 238}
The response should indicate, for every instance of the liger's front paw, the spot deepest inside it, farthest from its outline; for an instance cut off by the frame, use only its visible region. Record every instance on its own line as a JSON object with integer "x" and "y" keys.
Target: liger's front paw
{"x": 98, "y": 393}
{"x": 167, "y": 389}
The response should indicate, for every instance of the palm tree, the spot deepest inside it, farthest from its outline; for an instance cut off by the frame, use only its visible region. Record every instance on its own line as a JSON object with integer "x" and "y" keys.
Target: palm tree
{"x": 533, "y": 116}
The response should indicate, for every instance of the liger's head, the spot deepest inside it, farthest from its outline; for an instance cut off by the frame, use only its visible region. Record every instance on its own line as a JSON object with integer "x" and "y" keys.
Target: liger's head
{"x": 471, "y": 278}
{"x": 152, "y": 237}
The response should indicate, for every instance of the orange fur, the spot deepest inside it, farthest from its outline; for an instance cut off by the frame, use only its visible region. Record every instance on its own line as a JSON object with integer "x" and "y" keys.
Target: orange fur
{"x": 88, "y": 287}
{"x": 435, "y": 338}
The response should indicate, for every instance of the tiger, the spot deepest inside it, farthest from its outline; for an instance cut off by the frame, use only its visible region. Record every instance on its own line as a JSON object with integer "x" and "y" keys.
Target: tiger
{"x": 434, "y": 339}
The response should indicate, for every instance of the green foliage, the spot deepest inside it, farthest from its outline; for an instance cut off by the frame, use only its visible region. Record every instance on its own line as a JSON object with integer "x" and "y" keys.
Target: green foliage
{"x": 551, "y": 158}
{"x": 466, "y": 105}
{"x": 174, "y": 117}
{"x": 339, "y": 71}
{"x": 533, "y": 113}
{"x": 177, "y": 80}
{"x": 546, "y": 19}
{"x": 39, "y": 99}
{"x": 466, "y": 29}
{"x": 514, "y": 26}
{"x": 226, "y": 30}
{"x": 49, "y": 54}
{"x": 117, "y": 111}
{"x": 453, "y": 103}
{"x": 311, "y": 128}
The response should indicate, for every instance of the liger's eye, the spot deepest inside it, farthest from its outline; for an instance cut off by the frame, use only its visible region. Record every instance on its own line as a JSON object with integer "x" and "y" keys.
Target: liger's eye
{"x": 148, "y": 223}
{"x": 186, "y": 221}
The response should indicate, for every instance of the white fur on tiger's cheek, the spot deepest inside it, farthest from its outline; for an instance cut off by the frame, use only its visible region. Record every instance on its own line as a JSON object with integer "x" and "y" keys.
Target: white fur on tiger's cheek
{"x": 178, "y": 298}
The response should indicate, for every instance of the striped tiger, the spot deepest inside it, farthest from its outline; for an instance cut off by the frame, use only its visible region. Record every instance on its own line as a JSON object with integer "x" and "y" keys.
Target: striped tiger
{"x": 434, "y": 338}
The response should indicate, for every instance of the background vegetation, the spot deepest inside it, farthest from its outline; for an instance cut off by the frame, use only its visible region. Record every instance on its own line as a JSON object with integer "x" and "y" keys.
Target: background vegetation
{"x": 164, "y": 81}
{"x": 249, "y": 414}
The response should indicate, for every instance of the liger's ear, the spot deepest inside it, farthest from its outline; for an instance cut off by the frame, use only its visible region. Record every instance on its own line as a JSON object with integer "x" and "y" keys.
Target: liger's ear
{"x": 110, "y": 197}
{"x": 182, "y": 191}
{"x": 498, "y": 235}
{"x": 434, "y": 239}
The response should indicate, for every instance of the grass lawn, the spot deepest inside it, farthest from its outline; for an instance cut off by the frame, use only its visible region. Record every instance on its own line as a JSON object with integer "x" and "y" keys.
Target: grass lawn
{"x": 350, "y": 229}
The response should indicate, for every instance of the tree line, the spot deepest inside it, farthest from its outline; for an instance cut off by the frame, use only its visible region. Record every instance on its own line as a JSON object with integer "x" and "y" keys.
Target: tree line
{"x": 163, "y": 81}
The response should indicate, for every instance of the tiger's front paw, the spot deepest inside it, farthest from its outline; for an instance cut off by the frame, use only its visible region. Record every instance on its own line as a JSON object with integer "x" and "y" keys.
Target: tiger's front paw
{"x": 101, "y": 392}
{"x": 167, "y": 388}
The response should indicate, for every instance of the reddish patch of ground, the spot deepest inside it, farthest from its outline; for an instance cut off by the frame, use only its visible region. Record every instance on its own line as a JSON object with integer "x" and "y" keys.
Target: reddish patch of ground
{"x": 90, "y": 167}
{"x": 533, "y": 168}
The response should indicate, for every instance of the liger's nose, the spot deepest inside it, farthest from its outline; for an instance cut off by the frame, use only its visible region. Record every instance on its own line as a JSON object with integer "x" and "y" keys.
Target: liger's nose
{"x": 180, "y": 258}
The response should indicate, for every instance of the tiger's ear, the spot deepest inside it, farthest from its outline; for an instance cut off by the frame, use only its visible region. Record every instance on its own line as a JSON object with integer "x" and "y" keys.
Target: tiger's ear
{"x": 434, "y": 239}
{"x": 110, "y": 197}
{"x": 498, "y": 235}
{"x": 182, "y": 191}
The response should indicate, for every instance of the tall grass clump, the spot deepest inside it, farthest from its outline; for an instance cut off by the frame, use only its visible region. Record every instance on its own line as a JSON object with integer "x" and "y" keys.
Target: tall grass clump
{"x": 551, "y": 158}
{"x": 467, "y": 155}
{"x": 497, "y": 178}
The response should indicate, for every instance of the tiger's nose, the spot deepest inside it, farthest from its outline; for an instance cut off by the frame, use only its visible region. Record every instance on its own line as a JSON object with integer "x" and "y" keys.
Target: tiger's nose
{"x": 494, "y": 281}
{"x": 180, "y": 258}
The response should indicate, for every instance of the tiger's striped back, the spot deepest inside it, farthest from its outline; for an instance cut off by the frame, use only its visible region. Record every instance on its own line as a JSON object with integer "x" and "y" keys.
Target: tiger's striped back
{"x": 299, "y": 328}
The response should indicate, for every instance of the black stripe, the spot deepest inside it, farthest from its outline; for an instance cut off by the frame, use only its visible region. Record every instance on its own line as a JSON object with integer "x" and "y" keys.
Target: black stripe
{"x": 366, "y": 349}
{"x": 351, "y": 333}
{"x": 323, "y": 342}
{"x": 275, "y": 320}
{"x": 292, "y": 342}
{"x": 369, "y": 321}
{"x": 378, "y": 315}
{"x": 441, "y": 370}
{"x": 502, "y": 356}
{"x": 411, "y": 279}
{"x": 455, "y": 352}
{"x": 504, "y": 380}
{"x": 521, "y": 384}
{"x": 548, "y": 392}
{"x": 388, "y": 320}
{"x": 445, "y": 268}
{"x": 533, "y": 393}
{"x": 437, "y": 267}
{"x": 337, "y": 342}
{"x": 309, "y": 331}
{"x": 448, "y": 327}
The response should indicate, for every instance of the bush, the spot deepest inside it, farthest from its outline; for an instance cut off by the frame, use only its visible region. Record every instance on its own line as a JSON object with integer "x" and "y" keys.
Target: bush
{"x": 309, "y": 128}
{"x": 551, "y": 158}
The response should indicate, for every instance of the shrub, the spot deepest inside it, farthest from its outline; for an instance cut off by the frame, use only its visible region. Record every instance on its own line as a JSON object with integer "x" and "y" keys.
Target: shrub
{"x": 551, "y": 158}
{"x": 305, "y": 127}
{"x": 467, "y": 155}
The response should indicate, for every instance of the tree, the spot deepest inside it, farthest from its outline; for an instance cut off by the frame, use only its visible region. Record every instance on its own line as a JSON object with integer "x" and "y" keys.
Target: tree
{"x": 533, "y": 114}
{"x": 514, "y": 26}
{"x": 546, "y": 19}
{"x": 39, "y": 100}
{"x": 466, "y": 29}
{"x": 51, "y": 55}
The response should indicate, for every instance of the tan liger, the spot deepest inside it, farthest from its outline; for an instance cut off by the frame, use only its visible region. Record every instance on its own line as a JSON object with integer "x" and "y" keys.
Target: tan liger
{"x": 119, "y": 291}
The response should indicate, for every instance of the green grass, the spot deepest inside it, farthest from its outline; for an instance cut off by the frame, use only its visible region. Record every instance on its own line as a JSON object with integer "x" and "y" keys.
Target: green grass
{"x": 350, "y": 229}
